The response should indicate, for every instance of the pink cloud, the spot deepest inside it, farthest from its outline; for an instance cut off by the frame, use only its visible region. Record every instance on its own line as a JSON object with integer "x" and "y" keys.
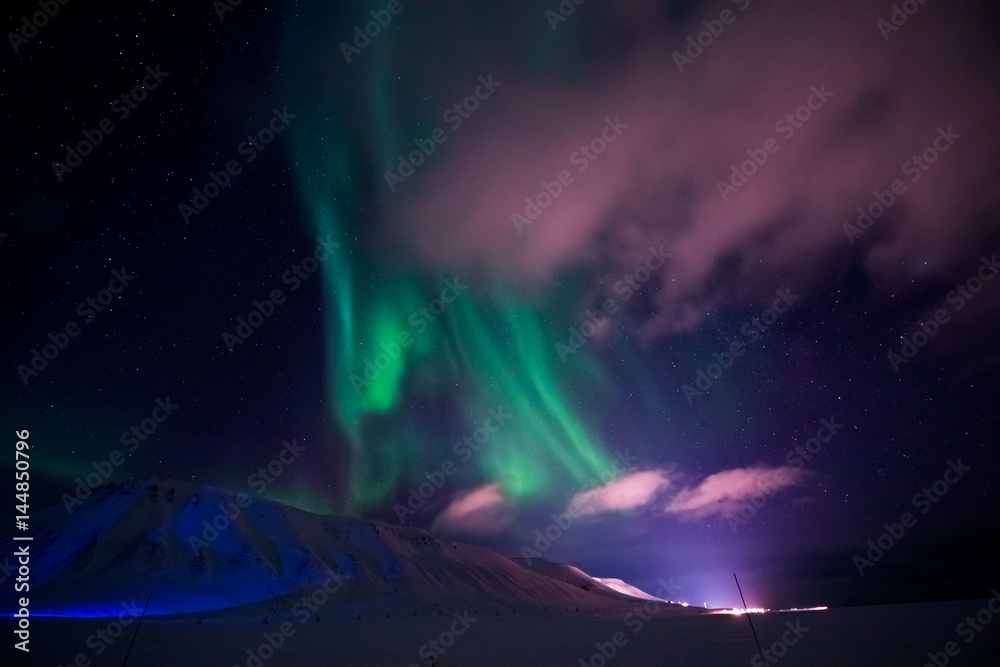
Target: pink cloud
{"x": 724, "y": 492}
{"x": 629, "y": 492}
{"x": 656, "y": 183}
{"x": 482, "y": 510}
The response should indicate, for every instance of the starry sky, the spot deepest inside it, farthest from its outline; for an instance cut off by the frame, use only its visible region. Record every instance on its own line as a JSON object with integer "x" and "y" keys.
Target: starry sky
{"x": 662, "y": 289}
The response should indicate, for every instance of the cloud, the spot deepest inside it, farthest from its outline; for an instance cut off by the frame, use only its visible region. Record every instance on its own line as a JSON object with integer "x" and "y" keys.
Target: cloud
{"x": 657, "y": 182}
{"x": 629, "y": 492}
{"x": 724, "y": 492}
{"x": 486, "y": 510}
{"x": 482, "y": 510}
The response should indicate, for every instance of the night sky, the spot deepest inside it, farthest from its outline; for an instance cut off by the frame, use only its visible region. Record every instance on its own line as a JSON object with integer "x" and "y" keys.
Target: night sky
{"x": 544, "y": 262}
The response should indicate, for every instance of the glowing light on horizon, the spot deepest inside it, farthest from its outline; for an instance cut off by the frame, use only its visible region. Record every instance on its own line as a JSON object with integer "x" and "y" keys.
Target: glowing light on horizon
{"x": 761, "y": 610}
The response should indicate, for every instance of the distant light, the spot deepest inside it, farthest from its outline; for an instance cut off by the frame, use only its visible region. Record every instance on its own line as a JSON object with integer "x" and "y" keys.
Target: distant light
{"x": 761, "y": 610}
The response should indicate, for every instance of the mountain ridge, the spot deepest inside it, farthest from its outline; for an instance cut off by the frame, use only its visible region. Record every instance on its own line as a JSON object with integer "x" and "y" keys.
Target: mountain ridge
{"x": 202, "y": 550}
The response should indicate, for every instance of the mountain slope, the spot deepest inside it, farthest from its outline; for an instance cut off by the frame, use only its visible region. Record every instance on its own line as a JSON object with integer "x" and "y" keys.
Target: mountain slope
{"x": 627, "y": 589}
{"x": 198, "y": 548}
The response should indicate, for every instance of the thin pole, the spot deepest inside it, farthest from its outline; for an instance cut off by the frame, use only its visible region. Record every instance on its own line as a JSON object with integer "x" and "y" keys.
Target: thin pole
{"x": 140, "y": 623}
{"x": 748, "y": 616}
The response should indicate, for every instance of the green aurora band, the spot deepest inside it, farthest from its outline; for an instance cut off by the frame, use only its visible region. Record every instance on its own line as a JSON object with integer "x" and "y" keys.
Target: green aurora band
{"x": 489, "y": 348}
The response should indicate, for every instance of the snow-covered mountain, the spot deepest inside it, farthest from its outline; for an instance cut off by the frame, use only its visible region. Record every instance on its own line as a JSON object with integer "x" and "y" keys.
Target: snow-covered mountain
{"x": 199, "y": 548}
{"x": 627, "y": 589}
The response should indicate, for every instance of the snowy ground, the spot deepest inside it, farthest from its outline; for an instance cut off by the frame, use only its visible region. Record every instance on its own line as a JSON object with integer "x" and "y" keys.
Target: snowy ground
{"x": 878, "y": 636}
{"x": 337, "y": 591}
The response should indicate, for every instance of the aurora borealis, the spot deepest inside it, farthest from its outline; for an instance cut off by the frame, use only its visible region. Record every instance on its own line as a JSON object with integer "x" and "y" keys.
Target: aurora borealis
{"x": 631, "y": 260}
{"x": 391, "y": 339}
